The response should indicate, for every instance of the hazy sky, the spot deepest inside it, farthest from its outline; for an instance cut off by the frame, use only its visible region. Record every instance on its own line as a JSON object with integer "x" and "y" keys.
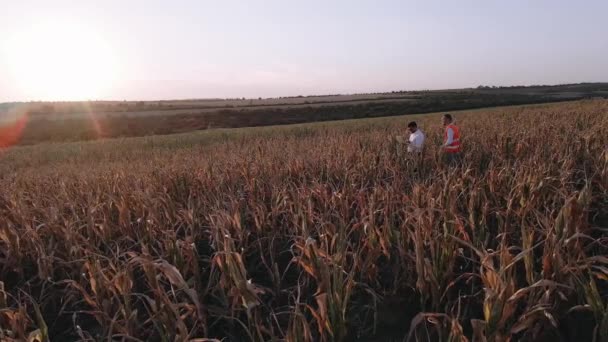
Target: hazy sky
{"x": 185, "y": 49}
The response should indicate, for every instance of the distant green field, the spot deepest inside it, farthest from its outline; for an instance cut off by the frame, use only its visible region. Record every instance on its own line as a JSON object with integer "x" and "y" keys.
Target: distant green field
{"x": 116, "y": 149}
{"x": 79, "y": 121}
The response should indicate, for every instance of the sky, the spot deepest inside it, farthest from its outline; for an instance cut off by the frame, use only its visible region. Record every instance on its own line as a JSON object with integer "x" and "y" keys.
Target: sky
{"x": 153, "y": 49}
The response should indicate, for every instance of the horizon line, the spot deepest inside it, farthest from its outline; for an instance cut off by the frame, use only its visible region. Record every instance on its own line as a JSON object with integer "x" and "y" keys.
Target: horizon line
{"x": 307, "y": 95}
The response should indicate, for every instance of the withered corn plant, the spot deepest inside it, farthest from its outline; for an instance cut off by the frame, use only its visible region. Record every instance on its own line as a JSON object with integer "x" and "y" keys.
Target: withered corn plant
{"x": 327, "y": 232}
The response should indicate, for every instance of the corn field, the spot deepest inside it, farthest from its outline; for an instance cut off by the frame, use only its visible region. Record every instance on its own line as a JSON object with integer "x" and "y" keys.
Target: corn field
{"x": 324, "y": 232}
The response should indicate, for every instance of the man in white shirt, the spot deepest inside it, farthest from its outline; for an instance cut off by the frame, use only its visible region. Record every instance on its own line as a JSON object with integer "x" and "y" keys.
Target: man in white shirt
{"x": 416, "y": 140}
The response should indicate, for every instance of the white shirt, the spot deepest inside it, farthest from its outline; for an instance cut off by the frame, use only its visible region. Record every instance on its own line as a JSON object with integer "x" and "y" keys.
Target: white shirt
{"x": 416, "y": 141}
{"x": 450, "y": 138}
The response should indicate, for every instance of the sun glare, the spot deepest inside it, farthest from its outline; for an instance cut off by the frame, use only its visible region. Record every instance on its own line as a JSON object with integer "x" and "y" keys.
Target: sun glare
{"x": 55, "y": 61}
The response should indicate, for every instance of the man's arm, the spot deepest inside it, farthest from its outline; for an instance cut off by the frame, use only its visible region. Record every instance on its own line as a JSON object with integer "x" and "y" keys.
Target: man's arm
{"x": 450, "y": 138}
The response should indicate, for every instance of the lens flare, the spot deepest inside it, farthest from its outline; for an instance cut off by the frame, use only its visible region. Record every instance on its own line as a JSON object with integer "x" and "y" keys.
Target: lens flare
{"x": 94, "y": 121}
{"x": 11, "y": 128}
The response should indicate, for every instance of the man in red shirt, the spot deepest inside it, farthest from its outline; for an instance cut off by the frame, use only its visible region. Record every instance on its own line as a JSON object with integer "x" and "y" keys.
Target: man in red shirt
{"x": 451, "y": 141}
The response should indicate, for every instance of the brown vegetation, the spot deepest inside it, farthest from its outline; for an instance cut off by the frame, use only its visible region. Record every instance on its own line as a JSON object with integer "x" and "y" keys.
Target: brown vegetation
{"x": 316, "y": 232}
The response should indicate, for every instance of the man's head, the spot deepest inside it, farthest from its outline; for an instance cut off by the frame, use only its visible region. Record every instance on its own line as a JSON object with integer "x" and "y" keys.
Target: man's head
{"x": 447, "y": 119}
{"x": 412, "y": 126}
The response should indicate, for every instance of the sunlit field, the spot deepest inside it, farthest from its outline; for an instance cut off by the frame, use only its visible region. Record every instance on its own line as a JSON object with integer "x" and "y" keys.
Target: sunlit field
{"x": 314, "y": 232}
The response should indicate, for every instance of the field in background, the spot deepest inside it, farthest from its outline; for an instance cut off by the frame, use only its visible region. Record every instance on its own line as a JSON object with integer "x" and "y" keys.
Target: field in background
{"x": 569, "y": 91}
{"x": 323, "y": 232}
{"x": 76, "y": 121}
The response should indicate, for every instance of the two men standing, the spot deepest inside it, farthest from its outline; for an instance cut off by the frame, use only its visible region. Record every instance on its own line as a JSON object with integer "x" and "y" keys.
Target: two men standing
{"x": 451, "y": 140}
